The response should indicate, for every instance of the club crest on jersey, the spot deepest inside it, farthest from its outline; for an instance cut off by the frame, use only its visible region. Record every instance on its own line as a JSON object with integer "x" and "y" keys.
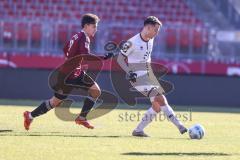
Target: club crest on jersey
{"x": 125, "y": 46}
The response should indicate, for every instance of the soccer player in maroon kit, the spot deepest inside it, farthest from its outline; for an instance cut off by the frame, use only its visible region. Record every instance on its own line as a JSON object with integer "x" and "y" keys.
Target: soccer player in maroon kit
{"x": 78, "y": 45}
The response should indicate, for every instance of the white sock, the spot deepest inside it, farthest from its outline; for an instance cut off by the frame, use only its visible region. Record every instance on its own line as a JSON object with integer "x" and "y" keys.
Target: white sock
{"x": 168, "y": 111}
{"x": 148, "y": 117}
{"x": 30, "y": 116}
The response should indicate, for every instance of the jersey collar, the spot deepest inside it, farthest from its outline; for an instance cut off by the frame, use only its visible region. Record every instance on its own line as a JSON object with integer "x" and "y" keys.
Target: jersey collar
{"x": 84, "y": 33}
{"x": 142, "y": 38}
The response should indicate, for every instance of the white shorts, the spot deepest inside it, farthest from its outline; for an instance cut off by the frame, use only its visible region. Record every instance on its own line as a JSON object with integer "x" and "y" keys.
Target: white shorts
{"x": 145, "y": 84}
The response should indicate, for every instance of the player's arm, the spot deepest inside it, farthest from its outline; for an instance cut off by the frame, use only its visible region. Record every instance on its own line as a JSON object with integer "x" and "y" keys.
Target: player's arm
{"x": 71, "y": 49}
{"x": 75, "y": 47}
{"x": 106, "y": 56}
{"x": 122, "y": 60}
{"x": 126, "y": 49}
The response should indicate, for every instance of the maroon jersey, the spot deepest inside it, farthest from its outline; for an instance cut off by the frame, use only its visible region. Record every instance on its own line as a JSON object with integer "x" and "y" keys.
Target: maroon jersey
{"x": 77, "y": 45}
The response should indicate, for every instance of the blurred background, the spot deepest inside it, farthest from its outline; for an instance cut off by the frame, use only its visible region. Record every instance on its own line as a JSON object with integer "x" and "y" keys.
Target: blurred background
{"x": 199, "y": 43}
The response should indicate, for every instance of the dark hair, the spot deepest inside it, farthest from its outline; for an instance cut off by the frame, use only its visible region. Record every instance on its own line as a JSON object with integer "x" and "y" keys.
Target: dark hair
{"x": 152, "y": 20}
{"x": 89, "y": 18}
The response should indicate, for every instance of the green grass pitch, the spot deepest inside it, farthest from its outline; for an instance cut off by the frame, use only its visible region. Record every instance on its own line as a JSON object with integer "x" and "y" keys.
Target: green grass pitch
{"x": 53, "y": 139}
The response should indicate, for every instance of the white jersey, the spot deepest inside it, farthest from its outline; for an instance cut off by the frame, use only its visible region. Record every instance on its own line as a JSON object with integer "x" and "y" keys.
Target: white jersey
{"x": 138, "y": 53}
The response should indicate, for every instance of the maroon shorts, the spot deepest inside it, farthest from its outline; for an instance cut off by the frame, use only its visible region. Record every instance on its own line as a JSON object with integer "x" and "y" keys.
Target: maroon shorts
{"x": 83, "y": 81}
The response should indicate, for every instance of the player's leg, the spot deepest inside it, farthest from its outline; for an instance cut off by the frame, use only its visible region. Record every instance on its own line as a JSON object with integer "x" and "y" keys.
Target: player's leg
{"x": 149, "y": 115}
{"x": 43, "y": 108}
{"x": 160, "y": 102}
{"x": 94, "y": 92}
{"x": 46, "y": 106}
{"x": 145, "y": 86}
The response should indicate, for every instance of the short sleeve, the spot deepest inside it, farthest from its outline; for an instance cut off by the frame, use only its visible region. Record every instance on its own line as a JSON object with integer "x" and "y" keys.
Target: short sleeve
{"x": 77, "y": 45}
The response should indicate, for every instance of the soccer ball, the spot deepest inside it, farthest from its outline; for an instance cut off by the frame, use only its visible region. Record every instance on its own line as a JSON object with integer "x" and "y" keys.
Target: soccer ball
{"x": 196, "y": 131}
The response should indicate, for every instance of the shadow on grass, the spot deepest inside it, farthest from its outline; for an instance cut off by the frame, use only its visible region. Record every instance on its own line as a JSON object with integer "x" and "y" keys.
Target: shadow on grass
{"x": 176, "y": 154}
{"x": 56, "y": 134}
{"x": 61, "y": 134}
{"x": 5, "y": 130}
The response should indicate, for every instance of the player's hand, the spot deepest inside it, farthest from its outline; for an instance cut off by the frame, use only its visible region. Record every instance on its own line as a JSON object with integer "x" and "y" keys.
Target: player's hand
{"x": 132, "y": 76}
{"x": 108, "y": 55}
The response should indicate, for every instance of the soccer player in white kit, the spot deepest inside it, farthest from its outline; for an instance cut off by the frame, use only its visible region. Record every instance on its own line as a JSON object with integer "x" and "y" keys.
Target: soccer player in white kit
{"x": 135, "y": 60}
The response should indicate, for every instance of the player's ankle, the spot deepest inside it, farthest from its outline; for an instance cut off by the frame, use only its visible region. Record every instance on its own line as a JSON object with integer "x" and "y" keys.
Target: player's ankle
{"x": 30, "y": 116}
{"x": 82, "y": 118}
{"x": 137, "y": 130}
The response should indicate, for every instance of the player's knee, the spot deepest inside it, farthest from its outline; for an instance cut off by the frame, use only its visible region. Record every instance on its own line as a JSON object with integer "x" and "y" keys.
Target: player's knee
{"x": 160, "y": 99}
{"x": 155, "y": 96}
{"x": 95, "y": 92}
{"x": 55, "y": 102}
{"x": 156, "y": 107}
